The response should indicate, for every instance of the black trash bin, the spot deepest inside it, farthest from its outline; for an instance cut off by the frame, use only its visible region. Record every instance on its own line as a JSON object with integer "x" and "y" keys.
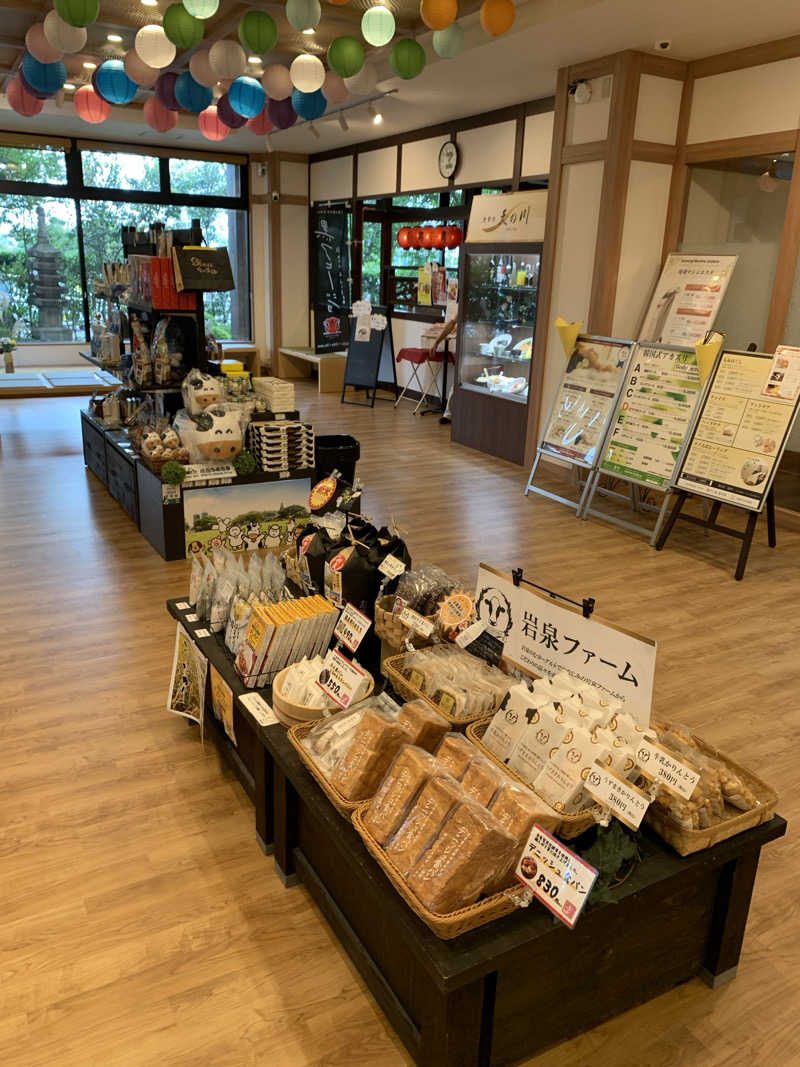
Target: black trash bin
{"x": 336, "y": 452}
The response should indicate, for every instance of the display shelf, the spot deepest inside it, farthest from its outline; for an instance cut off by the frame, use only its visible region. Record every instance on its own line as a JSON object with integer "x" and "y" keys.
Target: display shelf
{"x": 150, "y": 309}
{"x": 110, "y": 368}
{"x": 481, "y": 389}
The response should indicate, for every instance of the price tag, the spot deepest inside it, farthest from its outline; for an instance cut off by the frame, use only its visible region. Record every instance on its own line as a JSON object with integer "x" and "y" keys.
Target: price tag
{"x": 556, "y": 876}
{"x": 170, "y": 494}
{"x": 201, "y": 633}
{"x": 191, "y": 618}
{"x": 258, "y": 708}
{"x": 414, "y": 621}
{"x": 340, "y": 679}
{"x": 351, "y": 627}
{"x": 622, "y": 798}
{"x": 470, "y": 634}
{"x": 659, "y": 765}
{"x": 392, "y": 567}
{"x": 183, "y": 606}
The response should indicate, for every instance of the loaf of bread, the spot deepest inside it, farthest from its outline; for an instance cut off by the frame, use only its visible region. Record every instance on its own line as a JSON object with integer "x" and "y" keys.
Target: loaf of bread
{"x": 482, "y": 780}
{"x": 517, "y": 809}
{"x": 423, "y": 822}
{"x": 424, "y": 727}
{"x": 456, "y": 754}
{"x": 397, "y": 792}
{"x": 377, "y": 738}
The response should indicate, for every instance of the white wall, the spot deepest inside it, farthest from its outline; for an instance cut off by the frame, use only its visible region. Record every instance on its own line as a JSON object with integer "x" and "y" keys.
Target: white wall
{"x": 536, "y": 145}
{"x": 260, "y": 274}
{"x": 589, "y": 122}
{"x": 487, "y": 153}
{"x": 419, "y": 165}
{"x": 740, "y": 103}
{"x": 377, "y": 172}
{"x": 657, "y": 109}
{"x": 294, "y": 274}
{"x": 61, "y": 355}
{"x": 332, "y": 179}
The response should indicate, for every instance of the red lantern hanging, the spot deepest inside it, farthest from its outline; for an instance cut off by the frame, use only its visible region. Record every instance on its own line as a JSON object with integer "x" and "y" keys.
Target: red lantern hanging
{"x": 453, "y": 236}
{"x": 90, "y": 105}
{"x": 417, "y": 233}
{"x": 439, "y": 237}
{"x": 404, "y": 237}
{"x": 23, "y": 102}
{"x": 428, "y": 233}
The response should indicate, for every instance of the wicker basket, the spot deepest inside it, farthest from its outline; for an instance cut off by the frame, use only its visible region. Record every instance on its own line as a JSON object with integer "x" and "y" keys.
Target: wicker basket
{"x": 444, "y": 926}
{"x": 570, "y": 825}
{"x": 389, "y": 628}
{"x": 392, "y": 670}
{"x": 685, "y": 842}
{"x": 155, "y": 465}
{"x": 344, "y": 806}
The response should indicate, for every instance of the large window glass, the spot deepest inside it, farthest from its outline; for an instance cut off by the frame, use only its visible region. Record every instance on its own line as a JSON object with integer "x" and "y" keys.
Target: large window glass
{"x": 33, "y": 165}
{"x": 198, "y": 177}
{"x": 121, "y": 170}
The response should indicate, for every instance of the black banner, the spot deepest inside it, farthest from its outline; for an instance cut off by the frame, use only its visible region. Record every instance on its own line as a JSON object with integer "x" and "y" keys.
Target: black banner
{"x": 330, "y": 258}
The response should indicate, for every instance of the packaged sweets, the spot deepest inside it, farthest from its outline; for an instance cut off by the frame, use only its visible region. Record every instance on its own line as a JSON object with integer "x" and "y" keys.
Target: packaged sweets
{"x": 462, "y": 685}
{"x": 539, "y": 741}
{"x": 518, "y": 809}
{"x": 424, "y": 727}
{"x": 375, "y": 742}
{"x": 410, "y": 771}
{"x": 482, "y": 780}
{"x": 434, "y": 803}
{"x": 455, "y": 753}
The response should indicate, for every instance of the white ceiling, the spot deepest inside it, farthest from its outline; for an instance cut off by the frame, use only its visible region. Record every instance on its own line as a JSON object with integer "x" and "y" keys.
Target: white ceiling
{"x": 490, "y": 73}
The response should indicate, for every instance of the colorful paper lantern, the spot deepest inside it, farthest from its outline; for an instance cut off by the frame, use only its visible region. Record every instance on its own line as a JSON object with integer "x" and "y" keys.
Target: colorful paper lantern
{"x": 153, "y": 47}
{"x": 45, "y": 78}
{"x": 497, "y": 16}
{"x": 211, "y": 125}
{"x": 438, "y": 14}
{"x": 165, "y": 90}
{"x": 303, "y": 14}
{"x": 138, "y": 71}
{"x": 113, "y": 84}
{"x": 227, "y": 59}
{"x": 309, "y": 106}
{"x": 61, "y": 36}
{"x": 417, "y": 236}
{"x": 201, "y": 9}
{"x": 90, "y": 106}
{"x": 333, "y": 88}
{"x": 363, "y": 83}
{"x": 246, "y": 96}
{"x": 277, "y": 82}
{"x": 282, "y": 114}
{"x": 78, "y": 12}
{"x": 377, "y": 26}
{"x": 183, "y": 29}
{"x": 345, "y": 56}
{"x": 191, "y": 95}
{"x": 158, "y": 117}
{"x": 21, "y": 100}
{"x": 404, "y": 237}
{"x": 232, "y": 119}
{"x": 39, "y": 47}
{"x": 200, "y": 68}
{"x": 449, "y": 43}
{"x": 307, "y": 73}
{"x": 428, "y": 236}
{"x": 453, "y": 236}
{"x": 258, "y": 32}
{"x": 262, "y": 124}
{"x": 29, "y": 88}
{"x": 408, "y": 58}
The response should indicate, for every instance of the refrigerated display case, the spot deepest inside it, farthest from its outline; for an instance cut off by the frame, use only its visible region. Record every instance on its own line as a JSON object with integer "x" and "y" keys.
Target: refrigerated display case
{"x": 497, "y": 323}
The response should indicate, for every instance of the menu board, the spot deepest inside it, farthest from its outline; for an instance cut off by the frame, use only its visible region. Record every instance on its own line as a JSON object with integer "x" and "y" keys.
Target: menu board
{"x": 653, "y": 415}
{"x": 330, "y": 269}
{"x": 739, "y": 437}
{"x": 686, "y": 299}
{"x": 783, "y": 380}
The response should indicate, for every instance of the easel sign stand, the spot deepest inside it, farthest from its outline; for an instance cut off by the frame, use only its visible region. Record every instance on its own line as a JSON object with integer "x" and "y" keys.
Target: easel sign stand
{"x": 578, "y": 420}
{"x": 367, "y": 356}
{"x": 735, "y": 448}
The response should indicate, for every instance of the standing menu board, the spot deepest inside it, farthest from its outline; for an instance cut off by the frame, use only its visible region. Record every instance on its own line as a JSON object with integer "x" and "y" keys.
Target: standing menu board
{"x": 686, "y": 299}
{"x": 330, "y": 268}
{"x": 653, "y": 415}
{"x": 740, "y": 434}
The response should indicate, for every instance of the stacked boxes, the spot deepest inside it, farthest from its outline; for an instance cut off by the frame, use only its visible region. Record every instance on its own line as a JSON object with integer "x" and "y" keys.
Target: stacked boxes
{"x": 279, "y": 395}
{"x": 280, "y": 634}
{"x": 281, "y": 446}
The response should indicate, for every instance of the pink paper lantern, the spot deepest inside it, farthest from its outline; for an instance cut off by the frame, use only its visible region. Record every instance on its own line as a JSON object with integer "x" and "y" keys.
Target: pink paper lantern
{"x": 138, "y": 71}
{"x": 262, "y": 124}
{"x": 39, "y": 47}
{"x": 333, "y": 88}
{"x": 158, "y": 117}
{"x": 91, "y": 107}
{"x": 211, "y": 126}
{"x": 277, "y": 82}
{"x": 21, "y": 100}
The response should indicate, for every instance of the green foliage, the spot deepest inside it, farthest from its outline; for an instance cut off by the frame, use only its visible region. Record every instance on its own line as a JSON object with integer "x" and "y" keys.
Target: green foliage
{"x": 612, "y": 853}
{"x": 244, "y": 463}
{"x": 173, "y": 473}
{"x": 203, "y": 522}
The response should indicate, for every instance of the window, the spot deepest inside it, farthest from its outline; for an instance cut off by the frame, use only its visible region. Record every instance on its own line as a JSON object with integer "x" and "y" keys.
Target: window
{"x": 121, "y": 170}
{"x": 33, "y": 165}
{"x": 203, "y": 177}
{"x": 421, "y": 200}
{"x": 371, "y": 262}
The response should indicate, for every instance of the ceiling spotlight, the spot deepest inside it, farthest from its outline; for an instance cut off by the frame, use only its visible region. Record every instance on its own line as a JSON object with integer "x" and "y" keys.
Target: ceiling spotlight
{"x": 88, "y": 65}
{"x": 343, "y": 122}
{"x": 254, "y": 59}
{"x": 309, "y": 32}
{"x": 115, "y": 38}
{"x": 314, "y": 130}
{"x": 270, "y": 146}
{"x": 376, "y": 116}
{"x": 150, "y": 3}
{"x": 68, "y": 85}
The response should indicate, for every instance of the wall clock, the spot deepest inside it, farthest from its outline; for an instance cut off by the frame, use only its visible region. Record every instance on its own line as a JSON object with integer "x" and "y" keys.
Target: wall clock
{"x": 448, "y": 159}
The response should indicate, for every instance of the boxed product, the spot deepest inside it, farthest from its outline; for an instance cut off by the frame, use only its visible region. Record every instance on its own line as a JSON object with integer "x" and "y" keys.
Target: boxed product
{"x": 283, "y": 633}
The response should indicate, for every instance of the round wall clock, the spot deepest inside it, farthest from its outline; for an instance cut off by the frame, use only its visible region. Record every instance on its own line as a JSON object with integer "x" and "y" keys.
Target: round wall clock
{"x": 448, "y": 159}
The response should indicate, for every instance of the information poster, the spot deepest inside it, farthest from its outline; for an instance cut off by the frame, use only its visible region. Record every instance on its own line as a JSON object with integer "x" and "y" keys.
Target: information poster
{"x": 222, "y": 701}
{"x": 653, "y": 415}
{"x": 687, "y": 298}
{"x": 187, "y": 686}
{"x": 330, "y": 273}
{"x": 585, "y": 399}
{"x": 783, "y": 380}
{"x": 740, "y": 435}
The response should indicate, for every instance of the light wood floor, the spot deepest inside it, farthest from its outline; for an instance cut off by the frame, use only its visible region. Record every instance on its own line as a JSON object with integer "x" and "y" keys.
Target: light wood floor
{"x": 140, "y": 924}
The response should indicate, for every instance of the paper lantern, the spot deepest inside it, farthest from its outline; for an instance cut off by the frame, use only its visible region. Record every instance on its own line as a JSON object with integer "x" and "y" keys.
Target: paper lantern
{"x": 404, "y": 237}
{"x": 21, "y": 100}
{"x": 497, "y": 16}
{"x": 113, "y": 84}
{"x": 449, "y": 43}
{"x": 138, "y": 71}
{"x": 439, "y": 237}
{"x": 232, "y": 119}
{"x": 78, "y": 12}
{"x": 438, "y": 14}
{"x": 408, "y": 58}
{"x": 200, "y": 68}
{"x": 201, "y": 9}
{"x": 303, "y": 14}
{"x": 246, "y": 96}
{"x": 183, "y": 29}
{"x": 345, "y": 56}
{"x": 258, "y": 32}
{"x": 334, "y": 89}
{"x": 90, "y": 106}
{"x": 191, "y": 95}
{"x": 377, "y": 26}
{"x": 277, "y": 82}
{"x": 428, "y": 236}
{"x": 165, "y": 90}
{"x": 417, "y": 235}
{"x": 29, "y": 88}
{"x": 262, "y": 124}
{"x": 307, "y": 73}
{"x": 227, "y": 59}
{"x": 211, "y": 125}
{"x": 453, "y": 236}
{"x": 158, "y": 117}
{"x": 363, "y": 83}
{"x": 39, "y": 47}
{"x": 45, "y": 78}
{"x": 309, "y": 106}
{"x": 282, "y": 114}
{"x": 153, "y": 47}
{"x": 60, "y": 35}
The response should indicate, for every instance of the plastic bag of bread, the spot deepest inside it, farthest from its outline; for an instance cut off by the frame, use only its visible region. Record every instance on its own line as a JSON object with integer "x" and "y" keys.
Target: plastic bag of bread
{"x": 424, "y": 727}
{"x": 373, "y": 746}
{"x": 455, "y": 754}
{"x": 329, "y": 739}
{"x": 518, "y": 809}
{"x": 404, "y": 781}
{"x": 482, "y": 780}
{"x": 434, "y": 803}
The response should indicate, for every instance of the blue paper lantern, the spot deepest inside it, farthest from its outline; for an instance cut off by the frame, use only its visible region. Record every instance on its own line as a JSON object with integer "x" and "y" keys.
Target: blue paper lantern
{"x": 113, "y": 84}
{"x": 309, "y": 105}
{"x": 449, "y": 43}
{"x": 247, "y": 96}
{"x": 191, "y": 95}
{"x": 45, "y": 78}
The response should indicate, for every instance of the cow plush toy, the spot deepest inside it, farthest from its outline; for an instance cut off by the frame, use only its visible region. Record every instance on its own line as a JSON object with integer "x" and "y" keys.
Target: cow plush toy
{"x": 200, "y": 391}
{"x": 213, "y": 434}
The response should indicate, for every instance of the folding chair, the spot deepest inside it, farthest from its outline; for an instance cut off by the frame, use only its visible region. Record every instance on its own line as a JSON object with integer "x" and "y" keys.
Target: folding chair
{"x": 418, "y": 359}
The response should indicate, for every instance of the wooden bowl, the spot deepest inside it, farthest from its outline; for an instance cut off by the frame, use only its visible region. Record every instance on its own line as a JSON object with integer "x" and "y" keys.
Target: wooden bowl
{"x": 288, "y": 711}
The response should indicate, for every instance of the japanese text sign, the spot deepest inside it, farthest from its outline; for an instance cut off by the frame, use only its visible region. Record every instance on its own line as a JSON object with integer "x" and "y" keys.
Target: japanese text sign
{"x": 557, "y": 877}
{"x": 351, "y": 627}
{"x": 660, "y": 765}
{"x": 340, "y": 679}
{"x": 622, "y": 798}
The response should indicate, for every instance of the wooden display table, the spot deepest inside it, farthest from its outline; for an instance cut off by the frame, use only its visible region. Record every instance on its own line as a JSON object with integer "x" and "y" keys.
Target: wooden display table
{"x": 29, "y": 384}
{"x": 297, "y": 363}
{"x": 521, "y": 983}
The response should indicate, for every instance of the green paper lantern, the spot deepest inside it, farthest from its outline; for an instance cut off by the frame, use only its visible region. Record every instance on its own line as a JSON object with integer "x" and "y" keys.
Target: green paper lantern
{"x": 258, "y": 32}
{"x": 201, "y": 9}
{"x": 449, "y": 43}
{"x": 346, "y": 56}
{"x": 78, "y": 12}
{"x": 183, "y": 29}
{"x": 244, "y": 463}
{"x": 408, "y": 58}
{"x": 303, "y": 14}
{"x": 377, "y": 26}
{"x": 173, "y": 473}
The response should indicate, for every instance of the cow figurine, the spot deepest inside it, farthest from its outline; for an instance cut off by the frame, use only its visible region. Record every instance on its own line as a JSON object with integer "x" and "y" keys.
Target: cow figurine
{"x": 218, "y": 433}
{"x": 200, "y": 391}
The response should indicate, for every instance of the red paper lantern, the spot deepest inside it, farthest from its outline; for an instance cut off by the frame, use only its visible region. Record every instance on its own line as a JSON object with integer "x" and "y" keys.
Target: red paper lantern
{"x": 158, "y": 117}
{"x": 453, "y": 236}
{"x": 262, "y": 124}
{"x": 23, "y": 102}
{"x": 440, "y": 237}
{"x": 211, "y": 126}
{"x": 91, "y": 107}
{"x": 417, "y": 234}
{"x": 428, "y": 236}
{"x": 404, "y": 237}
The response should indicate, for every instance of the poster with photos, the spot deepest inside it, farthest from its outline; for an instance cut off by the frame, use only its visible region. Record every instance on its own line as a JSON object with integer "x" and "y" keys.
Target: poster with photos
{"x": 187, "y": 686}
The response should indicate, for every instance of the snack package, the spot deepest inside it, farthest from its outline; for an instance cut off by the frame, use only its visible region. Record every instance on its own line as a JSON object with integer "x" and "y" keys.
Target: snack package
{"x": 455, "y": 753}
{"x": 539, "y": 741}
{"x": 238, "y": 619}
{"x": 422, "y": 589}
{"x": 482, "y": 779}
{"x": 408, "y": 774}
{"x": 205, "y": 594}
{"x": 196, "y": 577}
{"x": 224, "y": 592}
{"x": 561, "y": 780}
{"x": 424, "y": 727}
{"x": 462, "y": 685}
{"x": 518, "y": 809}
{"x": 519, "y": 711}
{"x": 329, "y": 739}
{"x": 359, "y": 771}
{"x": 436, "y": 800}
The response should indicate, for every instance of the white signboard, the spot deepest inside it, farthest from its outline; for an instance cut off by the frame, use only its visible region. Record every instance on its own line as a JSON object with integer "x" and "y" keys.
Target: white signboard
{"x": 508, "y": 217}
{"x": 543, "y": 636}
{"x": 558, "y": 877}
{"x": 687, "y": 298}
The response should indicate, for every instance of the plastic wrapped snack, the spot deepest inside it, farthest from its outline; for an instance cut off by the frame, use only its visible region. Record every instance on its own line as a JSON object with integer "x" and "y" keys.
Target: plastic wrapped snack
{"x": 408, "y": 774}
{"x": 434, "y": 803}
{"x": 423, "y": 588}
{"x": 482, "y": 780}
{"x": 455, "y": 754}
{"x": 518, "y": 809}
{"x": 424, "y": 727}
{"x": 329, "y": 739}
{"x": 375, "y": 742}
{"x": 462, "y": 685}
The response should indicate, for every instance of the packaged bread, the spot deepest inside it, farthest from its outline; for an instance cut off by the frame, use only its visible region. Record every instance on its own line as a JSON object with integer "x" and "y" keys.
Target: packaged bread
{"x": 329, "y": 739}
{"x": 467, "y": 853}
{"x": 431, "y": 808}
{"x": 455, "y": 754}
{"x": 411, "y": 769}
{"x": 518, "y": 809}
{"x": 544, "y": 732}
{"x": 424, "y": 727}
{"x": 375, "y": 742}
{"x": 482, "y": 780}
{"x": 561, "y": 780}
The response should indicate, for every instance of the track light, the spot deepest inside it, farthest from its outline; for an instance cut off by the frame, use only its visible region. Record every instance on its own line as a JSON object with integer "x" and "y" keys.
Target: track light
{"x": 376, "y": 116}
{"x": 314, "y": 130}
{"x": 343, "y": 122}
{"x": 270, "y": 146}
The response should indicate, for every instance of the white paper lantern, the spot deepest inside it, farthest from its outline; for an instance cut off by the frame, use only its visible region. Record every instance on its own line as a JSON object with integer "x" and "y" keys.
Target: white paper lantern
{"x": 200, "y": 68}
{"x": 277, "y": 82}
{"x": 153, "y": 47}
{"x": 307, "y": 73}
{"x": 363, "y": 83}
{"x": 61, "y": 36}
{"x": 227, "y": 59}
{"x": 333, "y": 88}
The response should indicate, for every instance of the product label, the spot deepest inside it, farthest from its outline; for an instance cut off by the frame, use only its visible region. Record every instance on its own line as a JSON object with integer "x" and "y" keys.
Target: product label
{"x": 466, "y": 637}
{"x": 351, "y": 627}
{"x": 622, "y": 798}
{"x": 659, "y": 765}
{"x": 414, "y": 621}
{"x": 392, "y": 567}
{"x": 333, "y": 581}
{"x": 340, "y": 679}
{"x": 341, "y": 726}
{"x": 557, "y": 877}
{"x": 416, "y": 679}
{"x": 258, "y": 708}
{"x": 191, "y": 618}
{"x": 183, "y": 606}
{"x": 446, "y": 702}
{"x": 201, "y": 633}
{"x": 560, "y": 789}
{"x": 170, "y": 494}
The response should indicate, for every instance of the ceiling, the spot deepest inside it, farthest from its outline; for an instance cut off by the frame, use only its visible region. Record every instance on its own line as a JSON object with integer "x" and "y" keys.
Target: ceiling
{"x": 490, "y": 73}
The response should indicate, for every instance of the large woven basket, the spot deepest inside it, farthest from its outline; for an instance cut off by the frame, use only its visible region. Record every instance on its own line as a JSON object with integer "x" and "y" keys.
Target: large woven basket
{"x": 445, "y": 926}
{"x": 570, "y": 825}
{"x": 391, "y": 669}
{"x": 344, "y": 806}
{"x": 389, "y": 628}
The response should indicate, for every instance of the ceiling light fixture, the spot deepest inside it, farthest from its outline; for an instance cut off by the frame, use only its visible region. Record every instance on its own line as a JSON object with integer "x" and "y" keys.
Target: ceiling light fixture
{"x": 376, "y": 116}
{"x": 67, "y": 85}
{"x": 254, "y": 59}
{"x": 309, "y": 32}
{"x": 314, "y": 130}
{"x": 88, "y": 65}
{"x": 270, "y": 146}
{"x": 115, "y": 38}
{"x": 150, "y": 3}
{"x": 343, "y": 122}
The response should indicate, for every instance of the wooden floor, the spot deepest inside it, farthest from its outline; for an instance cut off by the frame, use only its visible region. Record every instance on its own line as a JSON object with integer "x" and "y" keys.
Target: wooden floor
{"x": 140, "y": 924}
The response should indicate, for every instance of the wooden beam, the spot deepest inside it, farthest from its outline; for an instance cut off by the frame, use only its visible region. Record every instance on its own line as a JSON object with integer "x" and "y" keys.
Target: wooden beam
{"x": 679, "y": 183}
{"x": 759, "y": 144}
{"x": 584, "y": 153}
{"x": 663, "y": 66}
{"x": 654, "y": 152}
{"x": 783, "y": 283}
{"x": 739, "y": 58}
